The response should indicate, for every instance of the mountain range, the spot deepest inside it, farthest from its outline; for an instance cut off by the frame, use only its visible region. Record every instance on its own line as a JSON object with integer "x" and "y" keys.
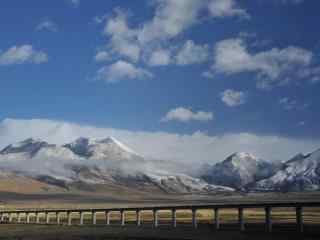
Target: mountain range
{"x": 88, "y": 164}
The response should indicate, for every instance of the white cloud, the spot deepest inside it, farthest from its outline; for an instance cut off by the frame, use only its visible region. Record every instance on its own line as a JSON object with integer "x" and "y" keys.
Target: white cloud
{"x": 122, "y": 70}
{"x": 123, "y": 40}
{"x": 182, "y": 114}
{"x": 170, "y": 19}
{"x": 22, "y": 54}
{"x": 173, "y": 17}
{"x": 194, "y": 148}
{"x": 226, "y": 8}
{"x": 233, "y": 98}
{"x": 102, "y": 56}
{"x": 190, "y": 53}
{"x": 273, "y": 67}
{"x": 74, "y": 3}
{"x": 47, "y": 25}
{"x": 160, "y": 57}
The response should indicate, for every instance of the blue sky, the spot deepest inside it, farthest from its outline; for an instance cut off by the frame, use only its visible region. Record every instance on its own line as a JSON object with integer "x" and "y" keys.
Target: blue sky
{"x": 217, "y": 67}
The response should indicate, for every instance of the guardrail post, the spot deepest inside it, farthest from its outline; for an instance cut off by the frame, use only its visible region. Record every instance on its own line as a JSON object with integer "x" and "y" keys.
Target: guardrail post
{"x": 19, "y": 217}
{"x": 268, "y": 219}
{"x": 81, "y": 218}
{"x": 299, "y": 219}
{"x": 94, "y": 217}
{"x": 155, "y": 218}
{"x": 241, "y": 219}
{"x": 37, "y": 218}
{"x": 194, "y": 218}
{"x": 108, "y": 217}
{"x": 216, "y": 219}
{"x": 138, "y": 217}
{"x": 47, "y": 218}
{"x": 58, "y": 218}
{"x": 174, "y": 217}
{"x": 28, "y": 218}
{"x": 10, "y": 217}
{"x": 122, "y": 218}
{"x": 69, "y": 218}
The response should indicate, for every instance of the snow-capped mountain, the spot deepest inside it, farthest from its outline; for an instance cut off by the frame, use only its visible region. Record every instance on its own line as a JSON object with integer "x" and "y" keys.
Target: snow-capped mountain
{"x": 37, "y": 157}
{"x": 92, "y": 161}
{"x": 29, "y": 146}
{"x": 108, "y": 162}
{"x": 238, "y": 170}
{"x": 300, "y": 173}
{"x": 109, "y": 148}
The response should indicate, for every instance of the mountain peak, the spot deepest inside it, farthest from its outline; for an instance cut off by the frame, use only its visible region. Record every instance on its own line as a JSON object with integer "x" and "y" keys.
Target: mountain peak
{"x": 244, "y": 155}
{"x": 239, "y": 158}
{"x": 112, "y": 140}
{"x": 84, "y": 141}
{"x": 29, "y": 145}
{"x": 300, "y": 173}
{"x": 238, "y": 170}
{"x": 101, "y": 149}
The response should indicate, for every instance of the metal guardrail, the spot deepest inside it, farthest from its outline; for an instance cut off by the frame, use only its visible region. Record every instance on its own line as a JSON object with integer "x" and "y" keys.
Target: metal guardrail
{"x": 7, "y": 215}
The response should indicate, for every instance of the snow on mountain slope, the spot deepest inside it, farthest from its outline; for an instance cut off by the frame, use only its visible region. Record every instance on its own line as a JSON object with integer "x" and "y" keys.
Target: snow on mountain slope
{"x": 185, "y": 184}
{"x": 238, "y": 170}
{"x": 298, "y": 174}
{"x": 56, "y": 152}
{"x": 108, "y": 148}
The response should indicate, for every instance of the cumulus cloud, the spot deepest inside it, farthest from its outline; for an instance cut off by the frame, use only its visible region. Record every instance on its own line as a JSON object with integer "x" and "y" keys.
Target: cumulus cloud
{"x": 273, "y": 67}
{"x": 160, "y": 57}
{"x": 123, "y": 39}
{"x": 170, "y": 19}
{"x": 182, "y": 114}
{"x": 190, "y": 148}
{"x": 233, "y": 98}
{"x": 102, "y": 56}
{"x": 226, "y": 8}
{"x": 47, "y": 25}
{"x": 122, "y": 70}
{"x": 190, "y": 53}
{"x": 22, "y": 54}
